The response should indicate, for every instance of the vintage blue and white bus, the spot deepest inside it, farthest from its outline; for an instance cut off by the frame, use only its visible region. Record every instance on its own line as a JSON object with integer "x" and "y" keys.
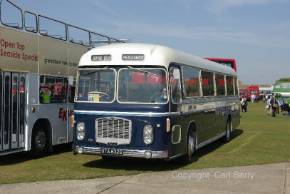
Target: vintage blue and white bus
{"x": 150, "y": 101}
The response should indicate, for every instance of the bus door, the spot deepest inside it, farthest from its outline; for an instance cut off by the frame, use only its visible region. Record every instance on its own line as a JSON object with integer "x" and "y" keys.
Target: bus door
{"x": 6, "y": 132}
{"x": 12, "y": 111}
{"x": 18, "y": 98}
{"x": 21, "y": 110}
{"x": 177, "y": 122}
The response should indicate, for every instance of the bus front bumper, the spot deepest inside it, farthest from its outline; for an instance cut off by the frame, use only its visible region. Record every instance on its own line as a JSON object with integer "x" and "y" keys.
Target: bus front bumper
{"x": 148, "y": 154}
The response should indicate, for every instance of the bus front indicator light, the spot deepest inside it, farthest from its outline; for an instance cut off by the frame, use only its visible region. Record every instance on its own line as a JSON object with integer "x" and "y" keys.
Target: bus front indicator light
{"x": 168, "y": 125}
{"x": 148, "y": 134}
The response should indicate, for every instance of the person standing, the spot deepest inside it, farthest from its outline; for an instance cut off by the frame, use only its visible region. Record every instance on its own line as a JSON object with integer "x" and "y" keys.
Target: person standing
{"x": 288, "y": 106}
{"x": 244, "y": 104}
{"x": 253, "y": 98}
{"x": 274, "y": 105}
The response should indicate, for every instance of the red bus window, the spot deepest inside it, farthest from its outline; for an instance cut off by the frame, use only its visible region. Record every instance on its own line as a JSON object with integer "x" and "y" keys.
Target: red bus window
{"x": 220, "y": 85}
{"x": 141, "y": 78}
{"x": 207, "y": 83}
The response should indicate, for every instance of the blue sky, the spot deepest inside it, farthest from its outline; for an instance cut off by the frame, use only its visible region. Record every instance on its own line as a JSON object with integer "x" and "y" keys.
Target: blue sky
{"x": 254, "y": 32}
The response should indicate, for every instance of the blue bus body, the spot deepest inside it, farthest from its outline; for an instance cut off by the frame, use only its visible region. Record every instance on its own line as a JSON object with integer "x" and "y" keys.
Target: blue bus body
{"x": 119, "y": 129}
{"x": 139, "y": 114}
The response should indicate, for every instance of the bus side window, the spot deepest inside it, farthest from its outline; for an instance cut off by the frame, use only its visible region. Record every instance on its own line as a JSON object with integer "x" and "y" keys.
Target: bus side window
{"x": 71, "y": 90}
{"x": 53, "y": 89}
{"x": 220, "y": 84}
{"x": 64, "y": 91}
{"x": 44, "y": 91}
{"x": 236, "y": 86}
{"x": 71, "y": 97}
{"x": 191, "y": 82}
{"x": 175, "y": 85}
{"x": 230, "y": 85}
{"x": 207, "y": 83}
{"x": 60, "y": 90}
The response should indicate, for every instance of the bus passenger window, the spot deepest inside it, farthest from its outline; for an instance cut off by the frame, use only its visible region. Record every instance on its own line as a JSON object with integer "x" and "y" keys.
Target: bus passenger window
{"x": 220, "y": 84}
{"x": 53, "y": 89}
{"x": 44, "y": 94}
{"x": 230, "y": 86}
{"x": 72, "y": 90}
{"x": 236, "y": 86}
{"x": 191, "y": 81}
{"x": 207, "y": 83}
{"x": 175, "y": 85}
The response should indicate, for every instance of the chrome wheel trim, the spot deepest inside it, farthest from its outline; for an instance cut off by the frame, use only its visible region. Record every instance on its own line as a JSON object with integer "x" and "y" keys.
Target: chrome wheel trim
{"x": 231, "y": 126}
{"x": 229, "y": 130}
{"x": 190, "y": 146}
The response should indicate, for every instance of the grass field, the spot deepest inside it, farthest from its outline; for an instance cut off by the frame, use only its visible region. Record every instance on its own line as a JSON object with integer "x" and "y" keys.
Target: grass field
{"x": 259, "y": 139}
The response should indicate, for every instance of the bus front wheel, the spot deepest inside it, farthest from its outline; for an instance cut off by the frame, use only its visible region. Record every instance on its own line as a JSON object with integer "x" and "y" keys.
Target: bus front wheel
{"x": 190, "y": 148}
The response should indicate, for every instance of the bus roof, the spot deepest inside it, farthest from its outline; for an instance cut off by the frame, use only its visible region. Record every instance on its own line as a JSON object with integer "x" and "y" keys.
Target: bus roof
{"x": 153, "y": 55}
{"x": 232, "y": 62}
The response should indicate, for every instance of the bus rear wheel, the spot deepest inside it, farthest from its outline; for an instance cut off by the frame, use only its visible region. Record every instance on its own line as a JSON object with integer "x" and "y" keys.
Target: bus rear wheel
{"x": 229, "y": 130}
{"x": 40, "y": 142}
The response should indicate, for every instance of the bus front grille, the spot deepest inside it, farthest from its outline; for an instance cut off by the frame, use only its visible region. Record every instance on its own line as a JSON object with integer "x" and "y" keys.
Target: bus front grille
{"x": 113, "y": 130}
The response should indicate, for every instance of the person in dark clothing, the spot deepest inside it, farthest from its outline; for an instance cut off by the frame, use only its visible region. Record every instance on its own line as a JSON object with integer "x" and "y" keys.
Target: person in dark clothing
{"x": 244, "y": 104}
{"x": 274, "y": 106}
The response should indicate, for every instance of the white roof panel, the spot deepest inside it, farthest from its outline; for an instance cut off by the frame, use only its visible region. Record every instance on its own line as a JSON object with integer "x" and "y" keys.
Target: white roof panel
{"x": 154, "y": 55}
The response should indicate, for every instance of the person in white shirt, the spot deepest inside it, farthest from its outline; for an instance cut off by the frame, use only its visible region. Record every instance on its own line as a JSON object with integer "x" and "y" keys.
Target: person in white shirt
{"x": 244, "y": 104}
{"x": 253, "y": 98}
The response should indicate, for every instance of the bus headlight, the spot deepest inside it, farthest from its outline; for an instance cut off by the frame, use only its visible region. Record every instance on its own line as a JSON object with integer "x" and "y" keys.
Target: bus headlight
{"x": 80, "y": 131}
{"x": 148, "y": 134}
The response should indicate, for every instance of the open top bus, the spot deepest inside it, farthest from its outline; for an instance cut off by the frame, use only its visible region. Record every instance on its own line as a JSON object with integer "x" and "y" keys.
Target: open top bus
{"x": 38, "y": 66}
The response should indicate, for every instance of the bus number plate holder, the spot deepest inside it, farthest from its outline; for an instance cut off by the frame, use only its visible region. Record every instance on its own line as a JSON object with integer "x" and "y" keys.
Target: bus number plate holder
{"x": 111, "y": 151}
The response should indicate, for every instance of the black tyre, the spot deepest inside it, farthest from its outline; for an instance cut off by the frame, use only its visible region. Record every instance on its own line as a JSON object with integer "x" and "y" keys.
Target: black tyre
{"x": 40, "y": 141}
{"x": 229, "y": 130}
{"x": 190, "y": 148}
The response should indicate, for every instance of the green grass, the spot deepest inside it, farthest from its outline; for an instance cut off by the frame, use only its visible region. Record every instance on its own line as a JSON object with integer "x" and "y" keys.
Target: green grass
{"x": 259, "y": 139}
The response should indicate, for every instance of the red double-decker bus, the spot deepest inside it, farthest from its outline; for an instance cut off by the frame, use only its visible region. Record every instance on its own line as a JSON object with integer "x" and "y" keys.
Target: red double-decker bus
{"x": 228, "y": 62}
{"x": 249, "y": 91}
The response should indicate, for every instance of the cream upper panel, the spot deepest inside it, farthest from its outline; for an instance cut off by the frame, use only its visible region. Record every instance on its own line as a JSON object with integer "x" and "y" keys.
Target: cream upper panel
{"x": 18, "y": 51}
{"x": 153, "y": 55}
{"x": 29, "y": 52}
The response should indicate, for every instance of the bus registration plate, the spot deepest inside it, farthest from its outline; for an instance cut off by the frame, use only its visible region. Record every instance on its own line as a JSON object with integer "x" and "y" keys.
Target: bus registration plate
{"x": 111, "y": 151}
